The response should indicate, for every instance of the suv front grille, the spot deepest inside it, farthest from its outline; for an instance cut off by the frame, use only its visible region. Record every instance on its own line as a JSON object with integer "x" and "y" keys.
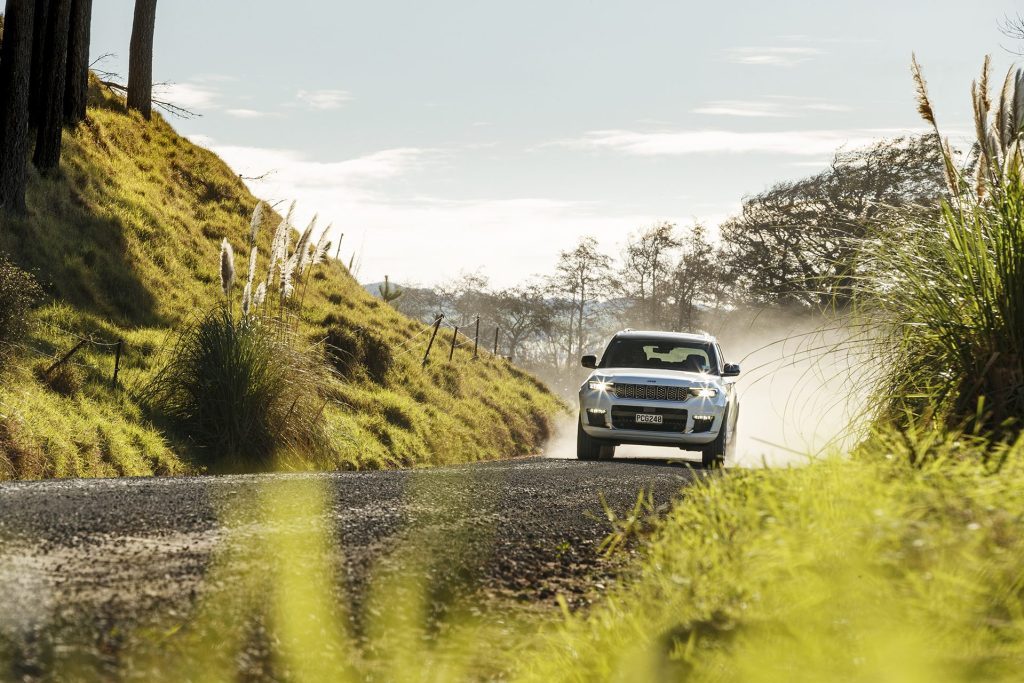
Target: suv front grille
{"x": 673, "y": 419}
{"x": 651, "y": 392}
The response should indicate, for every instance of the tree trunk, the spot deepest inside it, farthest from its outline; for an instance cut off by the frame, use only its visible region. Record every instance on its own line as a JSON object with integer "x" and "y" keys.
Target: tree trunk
{"x": 140, "y": 58}
{"x": 51, "y": 90}
{"x": 15, "y": 77}
{"x": 42, "y": 8}
{"x": 76, "y": 91}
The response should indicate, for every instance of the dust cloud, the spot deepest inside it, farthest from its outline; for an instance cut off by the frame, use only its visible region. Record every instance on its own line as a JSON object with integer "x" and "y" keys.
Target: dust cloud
{"x": 803, "y": 391}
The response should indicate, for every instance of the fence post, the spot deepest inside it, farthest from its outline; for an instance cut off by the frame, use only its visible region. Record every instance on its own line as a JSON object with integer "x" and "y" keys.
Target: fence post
{"x": 64, "y": 359}
{"x": 117, "y": 363}
{"x": 496, "y": 331}
{"x": 476, "y": 339}
{"x": 455, "y": 336}
{"x": 430, "y": 344}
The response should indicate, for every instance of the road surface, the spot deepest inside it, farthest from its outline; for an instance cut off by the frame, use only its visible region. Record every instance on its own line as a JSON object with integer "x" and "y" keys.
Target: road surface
{"x": 87, "y": 561}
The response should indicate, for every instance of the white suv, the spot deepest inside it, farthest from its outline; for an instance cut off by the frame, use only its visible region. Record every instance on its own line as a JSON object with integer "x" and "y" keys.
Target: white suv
{"x": 659, "y": 389}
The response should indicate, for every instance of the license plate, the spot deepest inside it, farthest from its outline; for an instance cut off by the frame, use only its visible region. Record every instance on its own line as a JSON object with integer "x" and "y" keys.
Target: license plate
{"x": 649, "y": 419}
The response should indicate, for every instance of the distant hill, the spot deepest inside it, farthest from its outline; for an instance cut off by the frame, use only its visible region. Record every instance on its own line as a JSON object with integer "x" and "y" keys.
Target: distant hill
{"x": 125, "y": 240}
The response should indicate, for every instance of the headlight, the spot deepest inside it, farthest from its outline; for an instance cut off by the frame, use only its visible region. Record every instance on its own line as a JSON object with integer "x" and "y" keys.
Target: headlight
{"x": 703, "y": 392}
{"x": 600, "y": 385}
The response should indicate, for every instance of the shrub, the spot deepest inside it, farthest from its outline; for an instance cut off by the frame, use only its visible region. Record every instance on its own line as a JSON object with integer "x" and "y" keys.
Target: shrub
{"x": 18, "y": 293}
{"x": 949, "y": 298}
{"x": 352, "y": 349}
{"x": 241, "y": 391}
{"x": 64, "y": 379}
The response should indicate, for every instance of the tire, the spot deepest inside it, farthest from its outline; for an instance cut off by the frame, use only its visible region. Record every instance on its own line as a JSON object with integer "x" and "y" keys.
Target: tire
{"x": 589, "y": 448}
{"x": 713, "y": 455}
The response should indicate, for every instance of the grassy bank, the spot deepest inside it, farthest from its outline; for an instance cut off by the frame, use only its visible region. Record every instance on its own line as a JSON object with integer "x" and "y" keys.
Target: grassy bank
{"x": 867, "y": 569}
{"x": 125, "y": 242}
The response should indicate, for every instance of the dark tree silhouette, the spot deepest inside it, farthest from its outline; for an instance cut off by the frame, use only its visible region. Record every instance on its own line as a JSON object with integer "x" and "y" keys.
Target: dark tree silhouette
{"x": 15, "y": 76}
{"x": 42, "y": 8}
{"x": 140, "y": 58}
{"x": 76, "y": 88}
{"x": 799, "y": 242}
{"x": 51, "y": 86}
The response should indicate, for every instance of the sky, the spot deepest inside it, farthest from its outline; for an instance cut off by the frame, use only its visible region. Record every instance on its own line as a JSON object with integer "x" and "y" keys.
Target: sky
{"x": 459, "y": 136}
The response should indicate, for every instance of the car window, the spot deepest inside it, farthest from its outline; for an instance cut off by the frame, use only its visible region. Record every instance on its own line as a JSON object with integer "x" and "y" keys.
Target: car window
{"x": 656, "y": 354}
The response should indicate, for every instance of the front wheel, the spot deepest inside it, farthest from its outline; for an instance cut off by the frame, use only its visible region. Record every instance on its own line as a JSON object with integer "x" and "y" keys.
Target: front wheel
{"x": 589, "y": 448}
{"x": 713, "y": 455}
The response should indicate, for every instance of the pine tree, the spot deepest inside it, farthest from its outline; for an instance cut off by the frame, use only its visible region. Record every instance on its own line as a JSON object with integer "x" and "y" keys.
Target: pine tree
{"x": 389, "y": 292}
{"x": 76, "y": 89}
{"x": 51, "y": 86}
{"x": 140, "y": 58}
{"x": 15, "y": 76}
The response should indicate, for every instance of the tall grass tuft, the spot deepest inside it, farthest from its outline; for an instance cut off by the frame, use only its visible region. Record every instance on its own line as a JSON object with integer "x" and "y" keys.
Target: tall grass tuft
{"x": 948, "y": 298}
{"x": 241, "y": 392}
{"x": 18, "y": 293}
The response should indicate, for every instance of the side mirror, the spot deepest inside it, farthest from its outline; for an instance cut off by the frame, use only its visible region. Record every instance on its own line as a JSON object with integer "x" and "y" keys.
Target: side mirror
{"x": 589, "y": 361}
{"x": 731, "y": 370}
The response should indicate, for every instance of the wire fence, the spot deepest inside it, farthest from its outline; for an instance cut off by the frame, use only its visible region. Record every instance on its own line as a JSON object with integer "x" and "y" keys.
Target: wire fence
{"x": 72, "y": 354}
{"x": 456, "y": 337}
{"x": 104, "y": 358}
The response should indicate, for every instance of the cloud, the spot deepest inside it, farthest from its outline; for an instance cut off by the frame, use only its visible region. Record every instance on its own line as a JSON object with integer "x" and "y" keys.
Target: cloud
{"x": 684, "y": 142}
{"x": 428, "y": 238}
{"x": 744, "y": 108}
{"x": 192, "y": 96}
{"x": 249, "y": 113}
{"x": 772, "y": 107}
{"x": 324, "y": 99}
{"x": 771, "y": 56}
{"x": 294, "y": 169}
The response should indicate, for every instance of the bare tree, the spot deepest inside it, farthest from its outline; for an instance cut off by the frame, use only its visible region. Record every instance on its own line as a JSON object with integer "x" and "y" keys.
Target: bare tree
{"x": 51, "y": 86}
{"x": 645, "y": 270}
{"x": 521, "y": 312}
{"x": 582, "y": 275}
{"x": 696, "y": 278}
{"x": 76, "y": 89}
{"x": 1013, "y": 28}
{"x": 140, "y": 58}
{"x": 15, "y": 77}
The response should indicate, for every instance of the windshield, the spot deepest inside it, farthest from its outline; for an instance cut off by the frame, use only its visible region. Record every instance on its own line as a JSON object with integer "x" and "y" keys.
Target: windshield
{"x": 660, "y": 354}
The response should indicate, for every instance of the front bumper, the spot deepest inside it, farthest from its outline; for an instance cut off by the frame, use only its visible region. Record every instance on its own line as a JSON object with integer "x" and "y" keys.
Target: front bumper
{"x": 605, "y": 416}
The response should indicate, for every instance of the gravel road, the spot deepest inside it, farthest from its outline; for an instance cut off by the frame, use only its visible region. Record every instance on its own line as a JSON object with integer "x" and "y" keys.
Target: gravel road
{"x": 98, "y": 558}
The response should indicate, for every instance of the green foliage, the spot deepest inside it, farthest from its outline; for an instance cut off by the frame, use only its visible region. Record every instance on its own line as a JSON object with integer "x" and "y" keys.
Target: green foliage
{"x": 241, "y": 392}
{"x": 948, "y": 295}
{"x": 18, "y": 293}
{"x": 127, "y": 241}
{"x": 867, "y": 569}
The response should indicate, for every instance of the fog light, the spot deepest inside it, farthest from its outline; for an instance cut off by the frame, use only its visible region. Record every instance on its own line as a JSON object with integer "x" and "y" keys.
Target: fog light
{"x": 702, "y": 423}
{"x": 595, "y": 417}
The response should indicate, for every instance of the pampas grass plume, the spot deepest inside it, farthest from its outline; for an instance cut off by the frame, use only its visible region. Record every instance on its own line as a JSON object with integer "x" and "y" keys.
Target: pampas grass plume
{"x": 227, "y": 266}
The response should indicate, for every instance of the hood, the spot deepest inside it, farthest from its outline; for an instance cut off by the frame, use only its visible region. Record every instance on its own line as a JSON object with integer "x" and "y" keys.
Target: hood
{"x": 669, "y": 378}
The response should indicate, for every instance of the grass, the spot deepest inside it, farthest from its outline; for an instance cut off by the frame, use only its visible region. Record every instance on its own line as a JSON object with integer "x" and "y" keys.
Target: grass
{"x": 862, "y": 569}
{"x": 126, "y": 241}
{"x": 948, "y": 299}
